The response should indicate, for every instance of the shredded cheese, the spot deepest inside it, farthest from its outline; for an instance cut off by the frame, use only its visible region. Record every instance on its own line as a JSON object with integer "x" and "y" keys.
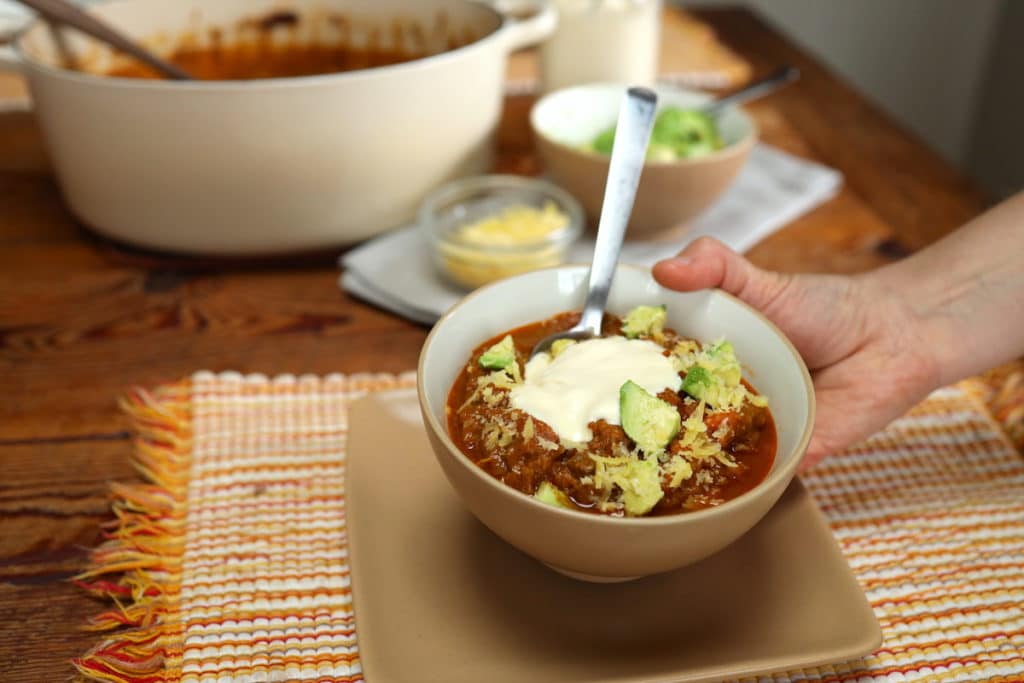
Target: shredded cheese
{"x": 546, "y": 444}
{"x": 727, "y": 390}
{"x": 678, "y": 470}
{"x": 513, "y": 240}
{"x": 514, "y": 225}
{"x": 695, "y": 442}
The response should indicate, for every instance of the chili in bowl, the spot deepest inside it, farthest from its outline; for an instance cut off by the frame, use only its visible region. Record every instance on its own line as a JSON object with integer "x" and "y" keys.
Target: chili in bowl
{"x": 635, "y": 453}
{"x": 641, "y": 421}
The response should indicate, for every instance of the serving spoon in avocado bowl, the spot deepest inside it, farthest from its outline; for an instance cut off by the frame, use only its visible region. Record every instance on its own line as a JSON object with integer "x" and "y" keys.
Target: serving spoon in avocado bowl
{"x": 636, "y": 118}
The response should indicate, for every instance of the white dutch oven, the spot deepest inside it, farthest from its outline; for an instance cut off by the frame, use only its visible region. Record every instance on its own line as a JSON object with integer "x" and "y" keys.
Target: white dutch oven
{"x": 250, "y": 167}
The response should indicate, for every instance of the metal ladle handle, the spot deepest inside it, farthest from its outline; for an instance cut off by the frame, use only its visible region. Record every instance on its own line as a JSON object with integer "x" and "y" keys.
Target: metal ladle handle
{"x": 632, "y": 133}
{"x": 65, "y": 13}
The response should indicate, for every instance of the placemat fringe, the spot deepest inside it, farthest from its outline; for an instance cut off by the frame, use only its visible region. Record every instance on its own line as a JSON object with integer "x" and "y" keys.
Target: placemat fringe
{"x": 138, "y": 566}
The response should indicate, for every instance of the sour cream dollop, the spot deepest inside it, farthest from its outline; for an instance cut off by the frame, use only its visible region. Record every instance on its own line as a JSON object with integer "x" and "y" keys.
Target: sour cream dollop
{"x": 582, "y": 383}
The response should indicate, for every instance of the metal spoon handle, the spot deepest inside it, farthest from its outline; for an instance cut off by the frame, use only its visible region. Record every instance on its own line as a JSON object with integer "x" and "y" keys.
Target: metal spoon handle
{"x": 757, "y": 89}
{"x": 632, "y": 132}
{"x": 66, "y": 13}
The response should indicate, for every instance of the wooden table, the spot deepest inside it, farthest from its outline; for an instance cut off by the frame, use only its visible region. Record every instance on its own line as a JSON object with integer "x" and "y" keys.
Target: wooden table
{"x": 81, "y": 320}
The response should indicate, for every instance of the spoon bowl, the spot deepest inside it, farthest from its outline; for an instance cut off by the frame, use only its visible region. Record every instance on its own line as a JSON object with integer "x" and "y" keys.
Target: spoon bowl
{"x": 576, "y": 333}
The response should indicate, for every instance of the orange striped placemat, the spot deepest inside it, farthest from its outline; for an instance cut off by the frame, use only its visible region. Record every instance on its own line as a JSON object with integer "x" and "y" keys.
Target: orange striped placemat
{"x": 229, "y": 565}
{"x": 1002, "y": 390}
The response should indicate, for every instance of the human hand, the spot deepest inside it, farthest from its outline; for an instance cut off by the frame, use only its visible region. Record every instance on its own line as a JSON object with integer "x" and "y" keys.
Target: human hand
{"x": 866, "y": 349}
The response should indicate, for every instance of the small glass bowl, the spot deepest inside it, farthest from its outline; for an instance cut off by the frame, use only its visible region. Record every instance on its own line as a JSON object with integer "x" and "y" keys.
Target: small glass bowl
{"x": 464, "y": 202}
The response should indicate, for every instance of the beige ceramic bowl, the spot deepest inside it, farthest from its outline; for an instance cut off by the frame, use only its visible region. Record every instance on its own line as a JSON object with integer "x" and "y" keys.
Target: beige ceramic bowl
{"x": 671, "y": 193}
{"x": 595, "y": 547}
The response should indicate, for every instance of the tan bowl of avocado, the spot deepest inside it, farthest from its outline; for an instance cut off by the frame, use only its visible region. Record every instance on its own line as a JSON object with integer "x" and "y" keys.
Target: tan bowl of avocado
{"x": 691, "y": 160}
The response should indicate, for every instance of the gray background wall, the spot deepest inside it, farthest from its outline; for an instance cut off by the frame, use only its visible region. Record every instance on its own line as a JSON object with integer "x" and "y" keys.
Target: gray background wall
{"x": 951, "y": 70}
{"x": 995, "y": 153}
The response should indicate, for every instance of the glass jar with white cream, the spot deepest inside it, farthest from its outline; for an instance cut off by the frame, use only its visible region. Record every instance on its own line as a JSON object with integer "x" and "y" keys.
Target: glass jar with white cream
{"x": 602, "y": 41}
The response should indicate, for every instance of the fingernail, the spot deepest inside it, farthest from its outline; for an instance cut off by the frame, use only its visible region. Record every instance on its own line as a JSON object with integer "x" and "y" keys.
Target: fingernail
{"x": 675, "y": 262}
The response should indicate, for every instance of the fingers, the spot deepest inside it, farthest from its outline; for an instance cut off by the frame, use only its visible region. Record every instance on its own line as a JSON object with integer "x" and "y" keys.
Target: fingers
{"x": 707, "y": 263}
{"x": 703, "y": 264}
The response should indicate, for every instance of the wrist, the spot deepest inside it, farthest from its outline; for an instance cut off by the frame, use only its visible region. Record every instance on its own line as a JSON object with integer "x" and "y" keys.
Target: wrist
{"x": 944, "y": 346}
{"x": 909, "y": 322}
{"x": 942, "y": 309}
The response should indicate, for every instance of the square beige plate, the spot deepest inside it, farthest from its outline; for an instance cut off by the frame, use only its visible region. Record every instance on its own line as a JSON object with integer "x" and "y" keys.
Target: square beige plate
{"x": 438, "y": 597}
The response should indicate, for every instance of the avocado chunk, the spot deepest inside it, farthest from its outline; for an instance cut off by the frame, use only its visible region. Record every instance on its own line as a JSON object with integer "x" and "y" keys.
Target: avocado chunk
{"x": 721, "y": 359}
{"x": 698, "y": 382}
{"x": 499, "y": 356}
{"x": 722, "y": 349}
{"x": 690, "y": 133}
{"x": 552, "y": 495}
{"x": 695, "y": 149}
{"x": 677, "y": 134}
{"x": 644, "y": 321}
{"x": 656, "y": 152}
{"x": 560, "y": 345}
{"x": 646, "y": 419}
{"x": 602, "y": 144}
{"x": 640, "y": 481}
{"x": 717, "y": 377}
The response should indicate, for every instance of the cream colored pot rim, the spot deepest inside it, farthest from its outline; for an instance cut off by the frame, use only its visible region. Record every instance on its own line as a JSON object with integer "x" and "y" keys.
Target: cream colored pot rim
{"x": 411, "y": 67}
{"x": 724, "y": 509}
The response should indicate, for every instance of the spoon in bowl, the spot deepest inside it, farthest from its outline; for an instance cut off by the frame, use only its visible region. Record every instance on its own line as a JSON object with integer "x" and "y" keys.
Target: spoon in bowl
{"x": 633, "y": 131}
{"x": 760, "y": 88}
{"x": 64, "y": 12}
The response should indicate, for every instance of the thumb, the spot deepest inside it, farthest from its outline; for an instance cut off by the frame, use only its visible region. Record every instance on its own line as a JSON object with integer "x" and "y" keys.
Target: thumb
{"x": 707, "y": 263}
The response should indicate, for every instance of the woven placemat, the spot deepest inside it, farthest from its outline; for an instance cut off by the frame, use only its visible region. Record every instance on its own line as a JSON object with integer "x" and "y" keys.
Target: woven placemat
{"x": 230, "y": 564}
{"x": 1002, "y": 391}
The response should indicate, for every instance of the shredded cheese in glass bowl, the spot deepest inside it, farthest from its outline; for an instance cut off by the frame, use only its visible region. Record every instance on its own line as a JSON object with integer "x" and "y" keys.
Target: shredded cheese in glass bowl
{"x": 486, "y": 228}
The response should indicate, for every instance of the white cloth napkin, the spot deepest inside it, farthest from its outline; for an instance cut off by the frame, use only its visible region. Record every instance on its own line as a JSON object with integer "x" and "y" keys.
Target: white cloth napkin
{"x": 395, "y": 271}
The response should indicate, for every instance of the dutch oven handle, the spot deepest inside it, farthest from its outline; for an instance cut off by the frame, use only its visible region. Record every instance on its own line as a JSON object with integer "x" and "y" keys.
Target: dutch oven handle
{"x": 539, "y": 22}
{"x": 10, "y": 29}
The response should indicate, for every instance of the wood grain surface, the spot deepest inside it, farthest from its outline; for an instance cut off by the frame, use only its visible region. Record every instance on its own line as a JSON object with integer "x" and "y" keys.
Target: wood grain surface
{"x": 82, "y": 319}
